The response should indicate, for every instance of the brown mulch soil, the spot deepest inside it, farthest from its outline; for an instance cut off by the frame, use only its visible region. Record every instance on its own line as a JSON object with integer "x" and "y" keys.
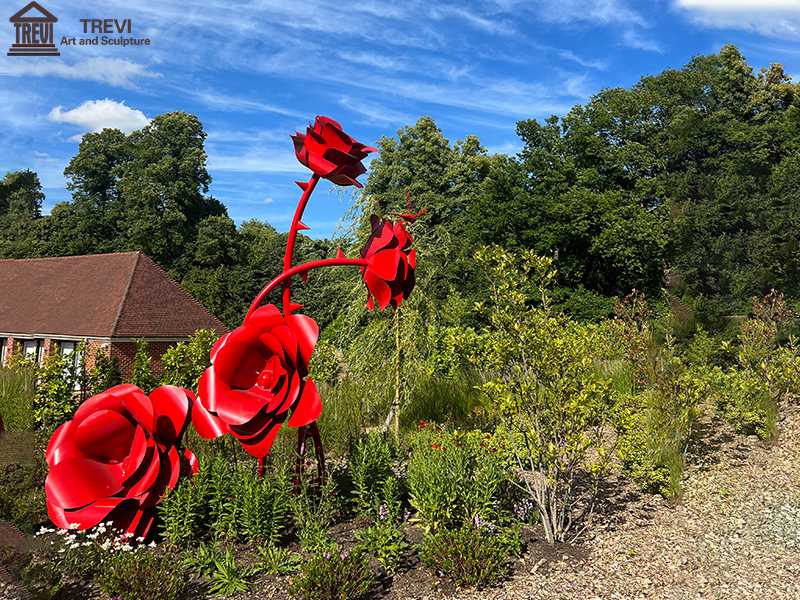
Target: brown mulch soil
{"x": 734, "y": 533}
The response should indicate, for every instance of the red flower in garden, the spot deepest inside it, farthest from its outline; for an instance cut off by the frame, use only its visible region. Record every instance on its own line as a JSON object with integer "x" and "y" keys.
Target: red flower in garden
{"x": 257, "y": 376}
{"x": 117, "y": 457}
{"x": 330, "y": 152}
{"x": 389, "y": 272}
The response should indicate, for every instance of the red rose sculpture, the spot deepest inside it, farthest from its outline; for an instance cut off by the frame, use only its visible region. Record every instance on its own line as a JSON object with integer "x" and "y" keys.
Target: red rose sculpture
{"x": 256, "y": 378}
{"x": 117, "y": 457}
{"x": 330, "y": 152}
{"x": 389, "y": 270}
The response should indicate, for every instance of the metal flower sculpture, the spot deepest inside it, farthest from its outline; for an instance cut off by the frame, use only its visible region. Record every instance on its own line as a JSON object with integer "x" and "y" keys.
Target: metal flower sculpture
{"x": 121, "y": 451}
{"x": 258, "y": 374}
{"x": 117, "y": 457}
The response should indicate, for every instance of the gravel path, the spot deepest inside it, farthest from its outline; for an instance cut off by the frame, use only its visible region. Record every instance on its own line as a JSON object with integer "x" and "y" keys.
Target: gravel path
{"x": 734, "y": 534}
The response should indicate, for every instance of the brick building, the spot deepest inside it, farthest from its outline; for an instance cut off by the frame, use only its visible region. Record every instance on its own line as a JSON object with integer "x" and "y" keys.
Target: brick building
{"x": 106, "y": 300}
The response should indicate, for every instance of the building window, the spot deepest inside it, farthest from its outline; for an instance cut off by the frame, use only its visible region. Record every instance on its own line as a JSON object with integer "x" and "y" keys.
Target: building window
{"x": 32, "y": 349}
{"x": 3, "y": 342}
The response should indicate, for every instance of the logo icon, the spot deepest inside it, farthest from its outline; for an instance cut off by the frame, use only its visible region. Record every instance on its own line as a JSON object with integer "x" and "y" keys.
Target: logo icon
{"x": 34, "y": 32}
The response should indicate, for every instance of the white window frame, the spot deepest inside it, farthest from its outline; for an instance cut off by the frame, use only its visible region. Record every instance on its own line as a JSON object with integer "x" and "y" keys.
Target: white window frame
{"x": 3, "y": 351}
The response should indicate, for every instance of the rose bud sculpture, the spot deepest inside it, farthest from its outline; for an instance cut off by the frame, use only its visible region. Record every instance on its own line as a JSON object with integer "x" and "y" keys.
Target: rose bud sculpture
{"x": 117, "y": 457}
{"x": 389, "y": 272}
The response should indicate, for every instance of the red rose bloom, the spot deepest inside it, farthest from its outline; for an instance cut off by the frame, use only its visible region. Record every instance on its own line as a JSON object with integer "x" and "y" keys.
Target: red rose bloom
{"x": 330, "y": 152}
{"x": 117, "y": 457}
{"x": 257, "y": 376}
{"x": 389, "y": 272}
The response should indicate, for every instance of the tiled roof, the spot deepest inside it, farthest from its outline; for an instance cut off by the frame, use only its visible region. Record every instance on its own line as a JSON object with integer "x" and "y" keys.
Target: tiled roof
{"x": 98, "y": 295}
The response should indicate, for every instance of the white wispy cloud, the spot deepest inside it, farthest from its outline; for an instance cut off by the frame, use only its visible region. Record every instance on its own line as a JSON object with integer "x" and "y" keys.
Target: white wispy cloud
{"x": 374, "y": 112}
{"x": 254, "y": 160}
{"x": 635, "y": 39}
{"x": 96, "y": 115}
{"x": 116, "y": 72}
{"x": 231, "y": 103}
{"x": 771, "y": 18}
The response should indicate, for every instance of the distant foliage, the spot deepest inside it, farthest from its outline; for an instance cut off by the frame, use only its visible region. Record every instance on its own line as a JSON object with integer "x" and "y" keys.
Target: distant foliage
{"x": 17, "y": 397}
{"x": 142, "y": 368}
{"x": 55, "y": 397}
{"x": 185, "y": 362}
{"x": 105, "y": 373}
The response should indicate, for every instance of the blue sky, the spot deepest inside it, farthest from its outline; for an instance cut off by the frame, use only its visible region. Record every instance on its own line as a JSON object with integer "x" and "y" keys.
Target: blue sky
{"x": 254, "y": 72}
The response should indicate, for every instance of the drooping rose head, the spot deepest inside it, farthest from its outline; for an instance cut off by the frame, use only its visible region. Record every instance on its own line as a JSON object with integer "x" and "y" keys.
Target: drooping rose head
{"x": 117, "y": 457}
{"x": 330, "y": 152}
{"x": 391, "y": 261}
{"x": 257, "y": 378}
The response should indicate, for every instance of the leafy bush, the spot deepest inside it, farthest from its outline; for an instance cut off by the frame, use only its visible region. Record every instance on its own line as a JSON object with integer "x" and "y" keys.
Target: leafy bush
{"x": 16, "y": 397}
{"x": 105, "y": 373}
{"x": 314, "y": 512}
{"x": 274, "y": 560}
{"x": 469, "y": 555}
{"x": 743, "y": 398}
{"x": 22, "y": 499}
{"x": 143, "y": 574}
{"x": 54, "y": 396}
{"x": 227, "y": 500}
{"x": 228, "y": 577}
{"x": 334, "y": 575}
{"x": 454, "y": 477}
{"x": 542, "y": 381}
{"x": 370, "y": 465}
{"x": 185, "y": 362}
{"x": 142, "y": 368}
{"x": 386, "y": 542}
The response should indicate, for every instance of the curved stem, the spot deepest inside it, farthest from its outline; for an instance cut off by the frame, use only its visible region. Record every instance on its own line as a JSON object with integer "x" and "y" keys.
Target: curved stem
{"x": 304, "y": 268}
{"x": 292, "y": 239}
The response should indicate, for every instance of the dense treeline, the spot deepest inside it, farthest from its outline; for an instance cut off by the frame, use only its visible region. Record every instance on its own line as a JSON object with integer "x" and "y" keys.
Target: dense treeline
{"x": 686, "y": 182}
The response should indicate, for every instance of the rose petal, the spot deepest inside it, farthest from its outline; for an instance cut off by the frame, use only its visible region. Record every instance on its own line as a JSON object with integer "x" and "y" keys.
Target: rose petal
{"x": 309, "y": 406}
{"x": 76, "y": 482}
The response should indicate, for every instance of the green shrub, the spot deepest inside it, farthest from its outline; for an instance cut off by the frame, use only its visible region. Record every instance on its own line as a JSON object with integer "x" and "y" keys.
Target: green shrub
{"x": 22, "y": 498}
{"x": 274, "y": 560}
{"x": 142, "y": 368}
{"x": 185, "y": 362}
{"x": 743, "y": 399}
{"x": 655, "y": 426}
{"x": 334, "y": 575}
{"x": 370, "y": 465}
{"x": 541, "y": 380}
{"x": 314, "y": 512}
{"x": 143, "y": 574}
{"x": 105, "y": 373}
{"x": 386, "y": 542}
{"x": 454, "y": 477}
{"x": 16, "y": 397}
{"x": 469, "y": 555}
{"x": 54, "y": 396}
{"x": 228, "y": 577}
{"x": 228, "y": 501}
{"x": 202, "y": 560}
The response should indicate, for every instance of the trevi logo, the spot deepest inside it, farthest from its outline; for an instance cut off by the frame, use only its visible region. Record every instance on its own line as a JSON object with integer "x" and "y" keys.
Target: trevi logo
{"x": 35, "y": 35}
{"x": 34, "y": 29}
